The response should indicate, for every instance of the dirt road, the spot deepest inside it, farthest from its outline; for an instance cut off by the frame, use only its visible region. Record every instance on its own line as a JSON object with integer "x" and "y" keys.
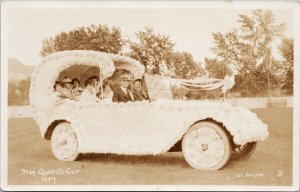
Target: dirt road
{"x": 30, "y": 161}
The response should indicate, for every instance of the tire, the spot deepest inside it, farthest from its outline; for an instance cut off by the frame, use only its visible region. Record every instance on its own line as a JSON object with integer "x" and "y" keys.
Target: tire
{"x": 206, "y": 146}
{"x": 64, "y": 142}
{"x": 243, "y": 152}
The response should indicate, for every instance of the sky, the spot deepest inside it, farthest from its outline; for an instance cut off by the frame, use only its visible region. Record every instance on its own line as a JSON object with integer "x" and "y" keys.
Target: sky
{"x": 190, "y": 29}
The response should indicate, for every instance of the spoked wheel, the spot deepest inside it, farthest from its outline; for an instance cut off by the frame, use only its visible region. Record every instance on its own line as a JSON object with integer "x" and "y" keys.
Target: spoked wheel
{"x": 206, "y": 146}
{"x": 64, "y": 142}
{"x": 243, "y": 152}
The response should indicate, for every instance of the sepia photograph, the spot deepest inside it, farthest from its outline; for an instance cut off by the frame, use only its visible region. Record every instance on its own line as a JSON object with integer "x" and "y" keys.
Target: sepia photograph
{"x": 150, "y": 95}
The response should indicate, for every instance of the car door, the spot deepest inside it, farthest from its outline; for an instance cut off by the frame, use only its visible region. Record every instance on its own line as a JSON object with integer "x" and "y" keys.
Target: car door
{"x": 126, "y": 128}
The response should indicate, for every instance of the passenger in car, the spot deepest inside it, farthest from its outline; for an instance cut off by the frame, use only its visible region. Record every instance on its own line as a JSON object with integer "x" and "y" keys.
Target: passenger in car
{"x": 76, "y": 89}
{"x": 96, "y": 83}
{"x": 66, "y": 90}
{"x": 67, "y": 82}
{"x": 58, "y": 86}
{"x": 121, "y": 93}
{"x": 138, "y": 94}
{"x": 89, "y": 93}
{"x": 107, "y": 93}
{"x": 76, "y": 84}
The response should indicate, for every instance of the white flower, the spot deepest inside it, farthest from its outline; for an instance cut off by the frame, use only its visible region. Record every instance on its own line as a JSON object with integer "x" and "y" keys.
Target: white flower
{"x": 228, "y": 83}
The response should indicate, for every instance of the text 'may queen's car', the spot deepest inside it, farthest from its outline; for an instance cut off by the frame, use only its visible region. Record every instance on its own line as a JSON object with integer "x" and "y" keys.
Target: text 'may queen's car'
{"x": 210, "y": 133}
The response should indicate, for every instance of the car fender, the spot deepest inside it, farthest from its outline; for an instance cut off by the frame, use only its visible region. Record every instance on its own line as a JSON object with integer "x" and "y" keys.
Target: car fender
{"x": 243, "y": 125}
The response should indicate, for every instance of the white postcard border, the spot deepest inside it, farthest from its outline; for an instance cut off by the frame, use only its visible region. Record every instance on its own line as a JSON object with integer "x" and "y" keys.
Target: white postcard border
{"x": 5, "y": 6}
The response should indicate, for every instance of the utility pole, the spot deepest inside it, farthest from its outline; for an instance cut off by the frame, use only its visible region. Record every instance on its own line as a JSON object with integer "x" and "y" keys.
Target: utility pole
{"x": 269, "y": 67}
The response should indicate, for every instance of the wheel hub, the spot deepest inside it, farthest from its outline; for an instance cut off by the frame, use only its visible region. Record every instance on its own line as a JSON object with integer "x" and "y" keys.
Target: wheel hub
{"x": 204, "y": 147}
{"x": 65, "y": 142}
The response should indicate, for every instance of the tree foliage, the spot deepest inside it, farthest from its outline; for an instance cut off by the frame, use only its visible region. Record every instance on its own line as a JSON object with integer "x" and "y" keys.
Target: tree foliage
{"x": 94, "y": 37}
{"x": 287, "y": 51}
{"x": 246, "y": 52}
{"x": 18, "y": 94}
{"x": 153, "y": 50}
{"x": 184, "y": 66}
{"x": 216, "y": 69}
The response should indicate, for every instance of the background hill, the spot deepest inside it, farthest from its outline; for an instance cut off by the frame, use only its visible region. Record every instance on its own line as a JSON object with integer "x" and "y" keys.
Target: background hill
{"x": 19, "y": 76}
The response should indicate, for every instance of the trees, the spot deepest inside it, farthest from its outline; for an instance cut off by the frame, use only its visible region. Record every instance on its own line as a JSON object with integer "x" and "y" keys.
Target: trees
{"x": 94, "y": 37}
{"x": 18, "y": 94}
{"x": 184, "y": 66}
{"x": 11, "y": 94}
{"x": 247, "y": 53}
{"x": 153, "y": 50}
{"x": 216, "y": 69}
{"x": 287, "y": 51}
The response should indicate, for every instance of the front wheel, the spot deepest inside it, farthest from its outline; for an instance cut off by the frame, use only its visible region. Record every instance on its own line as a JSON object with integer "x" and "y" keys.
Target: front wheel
{"x": 64, "y": 142}
{"x": 206, "y": 146}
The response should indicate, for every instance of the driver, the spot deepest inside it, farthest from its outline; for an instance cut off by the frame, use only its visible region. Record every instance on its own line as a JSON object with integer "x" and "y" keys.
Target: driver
{"x": 122, "y": 93}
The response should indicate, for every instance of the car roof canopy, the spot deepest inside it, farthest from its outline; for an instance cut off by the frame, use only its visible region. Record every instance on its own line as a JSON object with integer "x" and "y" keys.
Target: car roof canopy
{"x": 48, "y": 71}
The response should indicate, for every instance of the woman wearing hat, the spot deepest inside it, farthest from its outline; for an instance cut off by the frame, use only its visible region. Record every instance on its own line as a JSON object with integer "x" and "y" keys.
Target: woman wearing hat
{"x": 66, "y": 89}
{"x": 76, "y": 89}
{"x": 89, "y": 94}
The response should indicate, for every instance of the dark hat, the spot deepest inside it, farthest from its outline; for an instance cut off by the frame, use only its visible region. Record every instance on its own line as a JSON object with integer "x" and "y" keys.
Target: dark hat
{"x": 125, "y": 77}
{"x": 67, "y": 80}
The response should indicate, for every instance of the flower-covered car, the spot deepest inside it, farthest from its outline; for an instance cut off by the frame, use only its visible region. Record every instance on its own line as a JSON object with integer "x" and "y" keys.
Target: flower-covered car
{"x": 210, "y": 133}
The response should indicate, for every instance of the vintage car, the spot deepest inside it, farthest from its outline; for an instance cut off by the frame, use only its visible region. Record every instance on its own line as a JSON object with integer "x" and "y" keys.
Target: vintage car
{"x": 209, "y": 133}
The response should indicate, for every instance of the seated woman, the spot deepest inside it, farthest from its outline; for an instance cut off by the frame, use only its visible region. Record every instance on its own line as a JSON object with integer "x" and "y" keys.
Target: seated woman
{"x": 96, "y": 83}
{"x": 138, "y": 93}
{"x": 76, "y": 89}
{"x": 66, "y": 89}
{"x": 58, "y": 86}
{"x": 107, "y": 93}
{"x": 60, "y": 90}
{"x": 89, "y": 93}
{"x": 60, "y": 93}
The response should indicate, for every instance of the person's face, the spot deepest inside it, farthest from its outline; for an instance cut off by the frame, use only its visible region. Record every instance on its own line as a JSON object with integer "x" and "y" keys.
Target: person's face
{"x": 89, "y": 86}
{"x": 68, "y": 85}
{"x": 58, "y": 87}
{"x": 137, "y": 86}
{"x": 75, "y": 84}
{"x": 124, "y": 83}
{"x": 107, "y": 86}
{"x": 95, "y": 82}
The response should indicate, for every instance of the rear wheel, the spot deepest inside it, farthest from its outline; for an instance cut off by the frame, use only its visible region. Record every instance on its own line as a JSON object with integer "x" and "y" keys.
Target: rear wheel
{"x": 206, "y": 146}
{"x": 243, "y": 152}
{"x": 64, "y": 142}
